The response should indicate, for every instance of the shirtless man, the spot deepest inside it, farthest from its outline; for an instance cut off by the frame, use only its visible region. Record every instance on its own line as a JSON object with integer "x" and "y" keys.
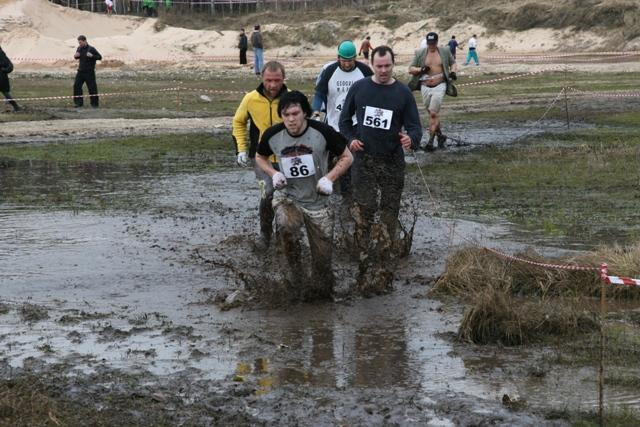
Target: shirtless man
{"x": 433, "y": 67}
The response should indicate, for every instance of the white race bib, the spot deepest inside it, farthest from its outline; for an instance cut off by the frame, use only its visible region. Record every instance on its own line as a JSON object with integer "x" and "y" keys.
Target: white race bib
{"x": 377, "y": 118}
{"x": 298, "y": 166}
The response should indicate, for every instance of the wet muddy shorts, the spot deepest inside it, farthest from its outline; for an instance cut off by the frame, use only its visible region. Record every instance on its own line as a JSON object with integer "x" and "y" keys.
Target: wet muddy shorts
{"x": 288, "y": 213}
{"x": 433, "y": 96}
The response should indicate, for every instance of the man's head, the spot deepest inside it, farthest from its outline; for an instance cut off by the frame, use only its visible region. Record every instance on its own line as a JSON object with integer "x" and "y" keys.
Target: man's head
{"x": 368, "y": 37}
{"x": 347, "y": 55}
{"x": 382, "y": 60}
{"x": 294, "y": 109}
{"x": 82, "y": 41}
{"x": 256, "y": 27}
{"x": 474, "y": 36}
{"x": 272, "y": 78}
{"x": 453, "y": 37}
{"x": 241, "y": 30}
{"x": 432, "y": 41}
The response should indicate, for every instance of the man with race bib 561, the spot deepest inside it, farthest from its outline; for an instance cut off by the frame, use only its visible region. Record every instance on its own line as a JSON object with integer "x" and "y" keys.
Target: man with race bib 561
{"x": 387, "y": 122}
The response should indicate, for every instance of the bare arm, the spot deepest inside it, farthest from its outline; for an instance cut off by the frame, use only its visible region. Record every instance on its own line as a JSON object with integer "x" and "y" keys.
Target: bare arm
{"x": 344, "y": 162}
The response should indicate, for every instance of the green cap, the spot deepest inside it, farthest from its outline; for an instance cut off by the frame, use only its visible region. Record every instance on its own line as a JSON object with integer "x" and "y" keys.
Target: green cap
{"x": 347, "y": 50}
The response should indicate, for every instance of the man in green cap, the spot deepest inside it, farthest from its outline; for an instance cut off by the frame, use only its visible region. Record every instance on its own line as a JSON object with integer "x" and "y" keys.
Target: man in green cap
{"x": 332, "y": 86}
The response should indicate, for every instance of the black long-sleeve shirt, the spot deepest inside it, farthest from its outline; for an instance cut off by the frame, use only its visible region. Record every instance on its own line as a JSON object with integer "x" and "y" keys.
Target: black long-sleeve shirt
{"x": 85, "y": 63}
{"x": 381, "y": 111}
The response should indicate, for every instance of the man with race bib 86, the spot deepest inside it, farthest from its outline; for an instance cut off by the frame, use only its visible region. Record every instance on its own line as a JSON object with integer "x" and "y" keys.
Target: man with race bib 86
{"x": 303, "y": 185}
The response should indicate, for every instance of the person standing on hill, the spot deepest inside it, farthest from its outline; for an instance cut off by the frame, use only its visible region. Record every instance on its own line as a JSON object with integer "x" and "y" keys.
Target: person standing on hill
{"x": 472, "y": 53}
{"x": 365, "y": 47}
{"x": 109, "y": 4}
{"x": 87, "y": 57}
{"x": 243, "y": 44}
{"x": 431, "y": 70}
{"x": 6, "y": 67}
{"x": 259, "y": 109}
{"x": 258, "y": 50}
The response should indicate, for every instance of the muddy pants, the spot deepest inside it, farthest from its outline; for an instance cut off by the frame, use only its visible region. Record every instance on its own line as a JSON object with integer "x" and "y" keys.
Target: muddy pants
{"x": 88, "y": 77}
{"x": 243, "y": 56}
{"x": 377, "y": 188}
{"x": 265, "y": 209}
{"x": 10, "y": 100}
{"x": 319, "y": 226}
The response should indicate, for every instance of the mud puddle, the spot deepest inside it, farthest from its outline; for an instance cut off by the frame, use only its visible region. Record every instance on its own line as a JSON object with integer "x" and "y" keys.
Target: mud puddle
{"x": 120, "y": 289}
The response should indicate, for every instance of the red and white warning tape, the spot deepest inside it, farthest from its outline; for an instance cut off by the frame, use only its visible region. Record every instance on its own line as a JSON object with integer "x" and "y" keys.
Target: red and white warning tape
{"x": 571, "y": 267}
{"x": 501, "y": 79}
{"x": 608, "y": 94}
{"x": 46, "y": 98}
{"x": 615, "y": 280}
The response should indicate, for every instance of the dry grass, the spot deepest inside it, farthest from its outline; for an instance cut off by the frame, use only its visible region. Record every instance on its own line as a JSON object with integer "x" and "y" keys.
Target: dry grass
{"x": 514, "y": 303}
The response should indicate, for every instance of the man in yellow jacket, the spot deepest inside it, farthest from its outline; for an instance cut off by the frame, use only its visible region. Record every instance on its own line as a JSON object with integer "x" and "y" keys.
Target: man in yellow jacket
{"x": 259, "y": 109}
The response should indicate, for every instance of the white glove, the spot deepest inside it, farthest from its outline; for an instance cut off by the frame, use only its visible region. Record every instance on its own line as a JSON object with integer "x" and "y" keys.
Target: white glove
{"x": 279, "y": 181}
{"x": 242, "y": 158}
{"x": 325, "y": 186}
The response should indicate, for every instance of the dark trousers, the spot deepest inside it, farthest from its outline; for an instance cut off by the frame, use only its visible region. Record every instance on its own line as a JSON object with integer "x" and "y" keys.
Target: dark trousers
{"x": 88, "y": 77}
{"x": 243, "y": 56}
{"x": 377, "y": 185}
{"x": 13, "y": 103}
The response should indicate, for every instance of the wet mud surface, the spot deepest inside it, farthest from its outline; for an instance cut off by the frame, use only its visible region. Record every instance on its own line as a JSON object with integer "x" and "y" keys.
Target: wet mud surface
{"x": 122, "y": 303}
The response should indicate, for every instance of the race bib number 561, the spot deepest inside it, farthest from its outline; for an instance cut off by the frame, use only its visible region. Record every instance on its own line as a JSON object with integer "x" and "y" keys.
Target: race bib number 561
{"x": 378, "y": 118}
{"x": 298, "y": 166}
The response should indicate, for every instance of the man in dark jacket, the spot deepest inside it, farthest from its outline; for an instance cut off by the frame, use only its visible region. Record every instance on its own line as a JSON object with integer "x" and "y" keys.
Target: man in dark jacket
{"x": 242, "y": 45}
{"x": 87, "y": 57}
{"x": 6, "y": 67}
{"x": 258, "y": 50}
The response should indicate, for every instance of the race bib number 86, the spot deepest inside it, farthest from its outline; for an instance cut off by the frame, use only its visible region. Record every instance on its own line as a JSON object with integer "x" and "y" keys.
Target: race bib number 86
{"x": 298, "y": 167}
{"x": 378, "y": 118}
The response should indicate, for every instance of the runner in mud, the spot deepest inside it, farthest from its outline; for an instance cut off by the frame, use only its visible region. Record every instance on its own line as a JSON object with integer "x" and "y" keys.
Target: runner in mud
{"x": 382, "y": 106}
{"x": 432, "y": 68}
{"x": 6, "y": 67}
{"x": 259, "y": 109}
{"x": 331, "y": 90}
{"x": 365, "y": 47}
{"x": 87, "y": 57}
{"x": 303, "y": 183}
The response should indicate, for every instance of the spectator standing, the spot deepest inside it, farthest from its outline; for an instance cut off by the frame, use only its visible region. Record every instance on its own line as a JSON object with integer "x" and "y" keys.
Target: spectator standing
{"x": 6, "y": 67}
{"x": 109, "y": 4}
{"x": 87, "y": 57}
{"x": 243, "y": 44}
{"x": 472, "y": 53}
{"x": 258, "y": 50}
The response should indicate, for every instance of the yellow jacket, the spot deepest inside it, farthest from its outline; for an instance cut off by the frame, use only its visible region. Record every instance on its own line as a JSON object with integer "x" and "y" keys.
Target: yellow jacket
{"x": 261, "y": 113}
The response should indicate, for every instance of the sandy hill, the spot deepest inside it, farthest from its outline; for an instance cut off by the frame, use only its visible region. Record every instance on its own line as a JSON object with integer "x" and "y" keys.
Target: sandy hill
{"x": 39, "y": 29}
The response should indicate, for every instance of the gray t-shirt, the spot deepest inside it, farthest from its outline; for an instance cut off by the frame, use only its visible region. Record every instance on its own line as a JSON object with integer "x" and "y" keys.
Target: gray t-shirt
{"x": 303, "y": 159}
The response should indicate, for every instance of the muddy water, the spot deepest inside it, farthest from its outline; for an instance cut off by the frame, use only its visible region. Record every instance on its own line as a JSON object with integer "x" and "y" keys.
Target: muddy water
{"x": 120, "y": 288}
